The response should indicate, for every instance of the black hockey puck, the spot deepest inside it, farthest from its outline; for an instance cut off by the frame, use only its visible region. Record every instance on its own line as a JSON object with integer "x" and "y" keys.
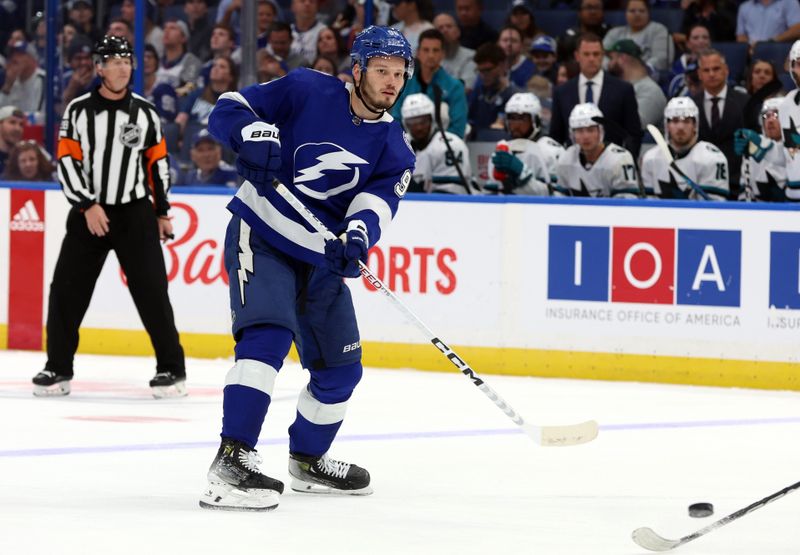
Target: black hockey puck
{"x": 701, "y": 510}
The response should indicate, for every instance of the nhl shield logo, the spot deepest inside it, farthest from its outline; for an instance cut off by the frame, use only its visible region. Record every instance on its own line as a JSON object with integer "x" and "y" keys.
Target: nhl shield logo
{"x": 130, "y": 134}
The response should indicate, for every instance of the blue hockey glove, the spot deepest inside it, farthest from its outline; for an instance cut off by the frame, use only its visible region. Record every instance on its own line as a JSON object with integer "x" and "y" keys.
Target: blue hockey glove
{"x": 507, "y": 163}
{"x": 343, "y": 254}
{"x": 260, "y": 153}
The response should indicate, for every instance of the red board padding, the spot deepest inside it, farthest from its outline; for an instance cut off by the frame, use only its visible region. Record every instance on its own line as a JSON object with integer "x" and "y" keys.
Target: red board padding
{"x": 26, "y": 270}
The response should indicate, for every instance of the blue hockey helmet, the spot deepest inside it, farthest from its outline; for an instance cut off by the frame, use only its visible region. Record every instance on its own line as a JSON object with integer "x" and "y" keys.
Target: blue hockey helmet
{"x": 385, "y": 42}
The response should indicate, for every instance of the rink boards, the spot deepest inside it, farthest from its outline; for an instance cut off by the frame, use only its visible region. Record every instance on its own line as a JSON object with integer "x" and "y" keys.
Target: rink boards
{"x": 703, "y": 293}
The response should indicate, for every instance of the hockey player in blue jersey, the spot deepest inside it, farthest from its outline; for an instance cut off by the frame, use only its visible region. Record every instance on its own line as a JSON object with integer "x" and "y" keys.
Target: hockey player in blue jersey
{"x": 337, "y": 148}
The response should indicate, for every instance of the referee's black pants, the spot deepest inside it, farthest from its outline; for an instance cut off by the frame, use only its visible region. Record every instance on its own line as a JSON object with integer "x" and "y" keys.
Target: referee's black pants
{"x": 133, "y": 236}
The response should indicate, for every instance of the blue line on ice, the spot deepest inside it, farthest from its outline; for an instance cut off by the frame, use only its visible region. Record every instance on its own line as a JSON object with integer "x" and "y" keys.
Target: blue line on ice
{"x": 44, "y": 452}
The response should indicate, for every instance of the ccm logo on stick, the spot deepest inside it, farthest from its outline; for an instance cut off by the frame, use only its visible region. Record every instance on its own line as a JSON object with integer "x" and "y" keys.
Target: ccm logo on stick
{"x": 645, "y": 265}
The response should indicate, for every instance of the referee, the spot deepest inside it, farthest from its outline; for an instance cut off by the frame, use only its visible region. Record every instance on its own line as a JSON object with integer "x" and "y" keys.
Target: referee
{"x": 113, "y": 168}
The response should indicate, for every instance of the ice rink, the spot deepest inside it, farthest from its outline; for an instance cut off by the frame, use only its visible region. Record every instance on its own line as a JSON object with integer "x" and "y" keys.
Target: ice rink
{"x": 108, "y": 469}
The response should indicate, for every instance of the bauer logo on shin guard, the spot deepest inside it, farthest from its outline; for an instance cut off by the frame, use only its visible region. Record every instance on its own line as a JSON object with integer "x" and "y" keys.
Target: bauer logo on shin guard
{"x": 456, "y": 360}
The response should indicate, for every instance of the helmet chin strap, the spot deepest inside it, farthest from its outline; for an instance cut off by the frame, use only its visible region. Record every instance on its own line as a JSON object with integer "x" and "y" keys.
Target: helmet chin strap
{"x": 363, "y": 101}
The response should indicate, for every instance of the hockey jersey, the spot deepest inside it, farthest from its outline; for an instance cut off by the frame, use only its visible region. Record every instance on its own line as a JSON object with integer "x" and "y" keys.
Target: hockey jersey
{"x": 613, "y": 174}
{"x": 789, "y": 115}
{"x": 342, "y": 168}
{"x": 535, "y": 176}
{"x": 551, "y": 151}
{"x": 436, "y": 166}
{"x": 704, "y": 164}
{"x": 764, "y": 180}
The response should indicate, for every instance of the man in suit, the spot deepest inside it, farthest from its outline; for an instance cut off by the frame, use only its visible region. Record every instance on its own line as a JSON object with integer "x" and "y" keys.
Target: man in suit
{"x": 721, "y": 111}
{"x": 615, "y": 98}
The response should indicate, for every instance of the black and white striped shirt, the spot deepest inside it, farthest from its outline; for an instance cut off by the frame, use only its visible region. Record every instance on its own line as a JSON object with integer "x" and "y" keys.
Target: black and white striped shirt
{"x": 113, "y": 152}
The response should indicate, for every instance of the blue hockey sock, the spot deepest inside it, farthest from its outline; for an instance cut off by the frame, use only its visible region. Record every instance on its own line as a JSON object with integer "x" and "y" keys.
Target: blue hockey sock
{"x": 260, "y": 351}
{"x": 321, "y": 408}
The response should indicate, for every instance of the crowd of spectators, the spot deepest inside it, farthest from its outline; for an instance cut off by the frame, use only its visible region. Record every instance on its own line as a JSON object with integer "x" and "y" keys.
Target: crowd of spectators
{"x": 628, "y": 57}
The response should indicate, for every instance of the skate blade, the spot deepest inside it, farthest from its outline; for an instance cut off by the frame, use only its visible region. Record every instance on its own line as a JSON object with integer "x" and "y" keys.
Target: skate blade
{"x": 56, "y": 390}
{"x": 178, "y": 389}
{"x": 301, "y": 486}
{"x": 221, "y": 496}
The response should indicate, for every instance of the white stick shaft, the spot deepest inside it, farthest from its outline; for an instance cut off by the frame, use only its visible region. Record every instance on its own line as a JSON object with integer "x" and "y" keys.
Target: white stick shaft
{"x": 550, "y": 435}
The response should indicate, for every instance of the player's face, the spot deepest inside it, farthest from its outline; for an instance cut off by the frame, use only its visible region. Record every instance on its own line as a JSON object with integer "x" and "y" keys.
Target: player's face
{"x": 116, "y": 72}
{"x": 794, "y": 67}
{"x": 419, "y": 128}
{"x": 772, "y": 126}
{"x": 519, "y": 125}
{"x": 681, "y": 131}
{"x": 588, "y": 138}
{"x": 382, "y": 82}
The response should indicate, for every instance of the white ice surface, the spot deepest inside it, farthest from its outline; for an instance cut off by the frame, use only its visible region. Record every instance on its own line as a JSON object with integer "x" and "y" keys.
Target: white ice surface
{"x": 110, "y": 470}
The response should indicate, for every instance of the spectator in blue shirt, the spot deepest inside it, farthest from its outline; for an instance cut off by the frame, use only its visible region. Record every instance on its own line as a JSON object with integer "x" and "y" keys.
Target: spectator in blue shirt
{"x": 209, "y": 169}
{"x": 520, "y": 66}
{"x": 544, "y": 52}
{"x": 429, "y": 75}
{"x": 162, "y": 95}
{"x": 768, "y": 20}
{"x": 492, "y": 89}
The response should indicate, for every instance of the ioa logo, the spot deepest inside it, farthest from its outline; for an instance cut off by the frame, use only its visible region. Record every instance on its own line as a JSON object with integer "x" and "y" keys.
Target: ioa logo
{"x": 645, "y": 265}
{"x": 325, "y": 169}
{"x": 27, "y": 219}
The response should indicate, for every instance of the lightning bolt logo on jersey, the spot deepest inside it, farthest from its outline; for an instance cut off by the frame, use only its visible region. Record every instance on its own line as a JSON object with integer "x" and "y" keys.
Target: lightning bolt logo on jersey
{"x": 322, "y": 167}
{"x": 342, "y": 172}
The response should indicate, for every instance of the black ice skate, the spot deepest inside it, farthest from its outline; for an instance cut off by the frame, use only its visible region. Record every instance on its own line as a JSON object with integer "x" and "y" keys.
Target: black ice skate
{"x": 167, "y": 384}
{"x": 325, "y": 475}
{"x": 49, "y": 384}
{"x": 236, "y": 484}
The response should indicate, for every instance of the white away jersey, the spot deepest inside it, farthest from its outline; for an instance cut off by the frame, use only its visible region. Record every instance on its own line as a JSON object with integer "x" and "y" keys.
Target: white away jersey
{"x": 551, "y": 151}
{"x": 704, "y": 164}
{"x": 765, "y": 180}
{"x": 789, "y": 116}
{"x": 435, "y": 166}
{"x": 612, "y": 175}
{"x": 535, "y": 177}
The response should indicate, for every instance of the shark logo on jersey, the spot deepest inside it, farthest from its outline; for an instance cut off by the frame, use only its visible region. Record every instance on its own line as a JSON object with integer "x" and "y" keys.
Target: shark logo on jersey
{"x": 326, "y": 169}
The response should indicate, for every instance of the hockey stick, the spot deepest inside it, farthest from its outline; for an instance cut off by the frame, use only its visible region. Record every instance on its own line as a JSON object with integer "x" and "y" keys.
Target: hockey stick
{"x": 549, "y": 436}
{"x": 662, "y": 144}
{"x": 437, "y": 95}
{"x": 647, "y": 538}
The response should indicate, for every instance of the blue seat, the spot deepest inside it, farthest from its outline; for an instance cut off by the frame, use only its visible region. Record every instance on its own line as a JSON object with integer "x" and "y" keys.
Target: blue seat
{"x": 775, "y": 52}
{"x": 496, "y": 18}
{"x": 555, "y": 22}
{"x": 671, "y": 18}
{"x": 787, "y": 81}
{"x": 736, "y": 55}
{"x": 615, "y": 18}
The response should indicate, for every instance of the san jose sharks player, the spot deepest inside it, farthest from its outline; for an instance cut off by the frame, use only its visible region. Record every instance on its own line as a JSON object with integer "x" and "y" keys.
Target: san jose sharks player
{"x": 442, "y": 158}
{"x": 591, "y": 168}
{"x": 700, "y": 161}
{"x": 789, "y": 114}
{"x": 337, "y": 148}
{"x": 529, "y": 165}
{"x": 763, "y": 175}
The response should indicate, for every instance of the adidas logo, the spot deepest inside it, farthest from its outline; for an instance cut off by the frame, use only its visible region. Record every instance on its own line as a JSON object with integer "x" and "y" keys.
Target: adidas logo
{"x": 27, "y": 219}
